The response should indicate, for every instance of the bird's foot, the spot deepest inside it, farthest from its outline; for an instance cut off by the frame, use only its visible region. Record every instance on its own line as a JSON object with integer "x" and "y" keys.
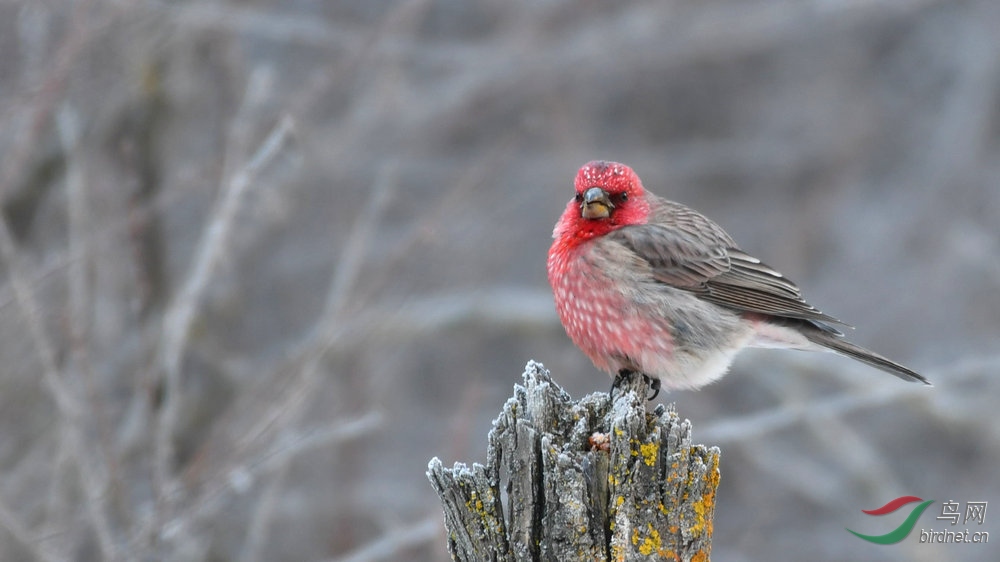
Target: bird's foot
{"x": 625, "y": 374}
{"x": 654, "y": 385}
{"x": 622, "y": 376}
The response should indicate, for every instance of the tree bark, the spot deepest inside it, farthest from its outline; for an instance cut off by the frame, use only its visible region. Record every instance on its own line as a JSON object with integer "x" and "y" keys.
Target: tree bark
{"x": 595, "y": 479}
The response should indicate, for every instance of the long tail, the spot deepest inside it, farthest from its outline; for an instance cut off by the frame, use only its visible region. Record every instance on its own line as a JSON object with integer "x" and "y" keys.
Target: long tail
{"x": 844, "y": 347}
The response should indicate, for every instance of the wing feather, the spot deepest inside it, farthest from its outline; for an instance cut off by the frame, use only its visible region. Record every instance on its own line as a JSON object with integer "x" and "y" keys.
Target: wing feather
{"x": 710, "y": 264}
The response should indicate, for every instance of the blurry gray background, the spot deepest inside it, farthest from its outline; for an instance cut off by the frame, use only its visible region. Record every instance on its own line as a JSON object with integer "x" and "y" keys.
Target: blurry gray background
{"x": 262, "y": 260}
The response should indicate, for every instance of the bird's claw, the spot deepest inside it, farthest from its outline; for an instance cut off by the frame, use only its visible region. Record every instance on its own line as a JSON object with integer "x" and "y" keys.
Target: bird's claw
{"x": 654, "y": 384}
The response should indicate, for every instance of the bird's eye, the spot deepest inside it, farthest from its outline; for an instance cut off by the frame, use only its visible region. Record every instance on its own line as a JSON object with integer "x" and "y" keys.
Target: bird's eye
{"x": 623, "y": 196}
{"x": 579, "y": 198}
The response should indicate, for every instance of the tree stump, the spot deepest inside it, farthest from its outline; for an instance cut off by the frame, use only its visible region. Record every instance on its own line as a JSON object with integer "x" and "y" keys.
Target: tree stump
{"x": 595, "y": 479}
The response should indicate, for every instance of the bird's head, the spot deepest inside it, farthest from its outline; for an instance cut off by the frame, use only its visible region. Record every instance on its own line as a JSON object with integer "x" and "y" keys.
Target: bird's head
{"x": 608, "y": 196}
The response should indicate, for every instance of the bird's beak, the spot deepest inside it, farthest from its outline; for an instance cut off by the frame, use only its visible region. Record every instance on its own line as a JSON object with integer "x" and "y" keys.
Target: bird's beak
{"x": 596, "y": 204}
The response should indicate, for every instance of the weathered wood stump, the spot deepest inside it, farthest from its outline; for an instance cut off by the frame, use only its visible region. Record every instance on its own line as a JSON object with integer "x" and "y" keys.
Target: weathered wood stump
{"x": 595, "y": 479}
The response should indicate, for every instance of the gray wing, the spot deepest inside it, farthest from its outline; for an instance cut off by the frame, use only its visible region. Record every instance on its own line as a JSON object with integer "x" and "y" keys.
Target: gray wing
{"x": 707, "y": 262}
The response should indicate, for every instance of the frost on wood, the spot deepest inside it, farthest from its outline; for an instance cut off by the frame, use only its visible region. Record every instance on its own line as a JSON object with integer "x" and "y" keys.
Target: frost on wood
{"x": 595, "y": 479}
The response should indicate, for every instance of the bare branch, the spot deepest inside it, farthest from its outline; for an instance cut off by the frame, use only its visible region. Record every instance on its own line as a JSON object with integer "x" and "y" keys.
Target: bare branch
{"x": 181, "y": 314}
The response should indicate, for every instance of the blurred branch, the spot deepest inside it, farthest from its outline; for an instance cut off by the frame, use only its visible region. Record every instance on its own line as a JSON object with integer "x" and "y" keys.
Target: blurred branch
{"x": 258, "y": 530}
{"x": 493, "y": 307}
{"x": 21, "y": 534}
{"x": 99, "y": 485}
{"x": 239, "y": 478}
{"x": 395, "y": 541}
{"x": 353, "y": 251}
{"x": 741, "y": 429}
{"x": 68, "y": 405}
{"x": 268, "y": 24}
{"x": 58, "y": 505}
{"x": 849, "y": 450}
{"x": 312, "y": 439}
{"x": 329, "y": 324}
{"x": 55, "y": 77}
{"x": 962, "y": 128}
{"x": 279, "y": 462}
{"x": 181, "y": 314}
{"x": 271, "y": 428}
{"x": 283, "y": 413}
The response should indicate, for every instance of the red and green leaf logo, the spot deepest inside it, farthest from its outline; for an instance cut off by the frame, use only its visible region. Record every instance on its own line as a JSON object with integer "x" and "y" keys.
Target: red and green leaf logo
{"x": 904, "y": 528}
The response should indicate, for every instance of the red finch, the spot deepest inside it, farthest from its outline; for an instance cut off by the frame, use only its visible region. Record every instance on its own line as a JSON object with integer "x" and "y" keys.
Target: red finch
{"x": 646, "y": 285}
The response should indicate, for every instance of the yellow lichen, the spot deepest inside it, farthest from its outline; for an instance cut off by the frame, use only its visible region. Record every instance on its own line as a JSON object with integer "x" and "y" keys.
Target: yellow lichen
{"x": 649, "y": 453}
{"x": 617, "y": 553}
{"x": 704, "y": 507}
{"x": 650, "y": 543}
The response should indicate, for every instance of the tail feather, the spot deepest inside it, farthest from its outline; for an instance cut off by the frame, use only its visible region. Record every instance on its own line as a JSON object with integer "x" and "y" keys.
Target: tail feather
{"x": 833, "y": 342}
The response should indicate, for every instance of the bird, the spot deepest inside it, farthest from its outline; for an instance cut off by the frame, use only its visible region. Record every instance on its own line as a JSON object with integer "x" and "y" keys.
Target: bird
{"x": 644, "y": 285}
